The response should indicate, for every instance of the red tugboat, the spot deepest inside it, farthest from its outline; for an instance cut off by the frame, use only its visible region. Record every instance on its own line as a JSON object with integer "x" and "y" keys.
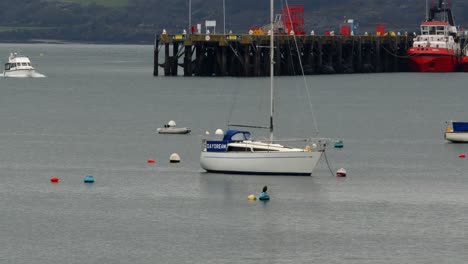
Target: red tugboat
{"x": 437, "y": 48}
{"x": 465, "y": 59}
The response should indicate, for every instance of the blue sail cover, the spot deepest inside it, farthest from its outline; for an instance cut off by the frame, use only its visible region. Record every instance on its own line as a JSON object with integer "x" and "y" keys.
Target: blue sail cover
{"x": 230, "y": 136}
{"x": 460, "y": 126}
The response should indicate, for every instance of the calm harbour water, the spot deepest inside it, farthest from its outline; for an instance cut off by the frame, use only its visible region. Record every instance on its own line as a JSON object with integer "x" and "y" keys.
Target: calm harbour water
{"x": 96, "y": 113}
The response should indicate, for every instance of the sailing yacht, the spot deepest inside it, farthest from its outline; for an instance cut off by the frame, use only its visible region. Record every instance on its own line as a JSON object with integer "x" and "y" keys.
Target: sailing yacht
{"x": 238, "y": 153}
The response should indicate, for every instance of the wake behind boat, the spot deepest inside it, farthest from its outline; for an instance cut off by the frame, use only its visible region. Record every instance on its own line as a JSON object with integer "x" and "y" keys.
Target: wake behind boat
{"x": 237, "y": 153}
{"x": 19, "y": 66}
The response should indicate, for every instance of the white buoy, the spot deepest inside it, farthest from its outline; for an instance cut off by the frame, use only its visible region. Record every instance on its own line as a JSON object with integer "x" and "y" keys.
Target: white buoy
{"x": 219, "y": 132}
{"x": 172, "y": 123}
{"x": 174, "y": 158}
{"x": 341, "y": 172}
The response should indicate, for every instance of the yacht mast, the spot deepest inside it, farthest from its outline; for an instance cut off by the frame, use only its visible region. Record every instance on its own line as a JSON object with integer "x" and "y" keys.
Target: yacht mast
{"x": 272, "y": 64}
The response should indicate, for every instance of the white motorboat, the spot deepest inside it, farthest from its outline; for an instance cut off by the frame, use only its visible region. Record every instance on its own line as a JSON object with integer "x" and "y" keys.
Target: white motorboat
{"x": 456, "y": 132}
{"x": 19, "y": 66}
{"x": 170, "y": 128}
{"x": 237, "y": 153}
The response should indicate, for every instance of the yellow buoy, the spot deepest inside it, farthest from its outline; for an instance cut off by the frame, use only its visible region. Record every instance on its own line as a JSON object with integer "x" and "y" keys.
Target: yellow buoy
{"x": 251, "y": 197}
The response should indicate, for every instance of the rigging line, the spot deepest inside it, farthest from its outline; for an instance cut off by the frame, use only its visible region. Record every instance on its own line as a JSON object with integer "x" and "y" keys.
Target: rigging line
{"x": 396, "y": 55}
{"x": 236, "y": 53}
{"x": 303, "y": 77}
{"x": 231, "y": 110}
{"x": 328, "y": 163}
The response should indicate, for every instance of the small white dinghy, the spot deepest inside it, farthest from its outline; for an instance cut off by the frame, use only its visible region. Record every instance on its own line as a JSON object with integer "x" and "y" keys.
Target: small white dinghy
{"x": 170, "y": 128}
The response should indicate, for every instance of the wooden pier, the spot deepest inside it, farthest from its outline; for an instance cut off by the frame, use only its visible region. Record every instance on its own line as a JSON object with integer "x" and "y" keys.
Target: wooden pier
{"x": 248, "y": 55}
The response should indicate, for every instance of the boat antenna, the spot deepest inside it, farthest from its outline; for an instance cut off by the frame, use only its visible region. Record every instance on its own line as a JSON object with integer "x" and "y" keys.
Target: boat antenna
{"x": 427, "y": 11}
{"x": 272, "y": 68}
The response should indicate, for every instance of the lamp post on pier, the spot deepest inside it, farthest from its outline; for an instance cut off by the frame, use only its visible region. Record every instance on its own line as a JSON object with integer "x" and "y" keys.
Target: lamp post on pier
{"x": 190, "y": 16}
{"x": 224, "y": 18}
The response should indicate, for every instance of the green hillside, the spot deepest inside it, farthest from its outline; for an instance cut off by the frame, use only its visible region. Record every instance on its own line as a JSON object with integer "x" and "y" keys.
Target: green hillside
{"x": 137, "y": 21}
{"x": 106, "y": 3}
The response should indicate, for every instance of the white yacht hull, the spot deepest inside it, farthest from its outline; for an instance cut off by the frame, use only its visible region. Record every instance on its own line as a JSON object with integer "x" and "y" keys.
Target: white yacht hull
{"x": 22, "y": 74}
{"x": 265, "y": 163}
{"x": 457, "y": 136}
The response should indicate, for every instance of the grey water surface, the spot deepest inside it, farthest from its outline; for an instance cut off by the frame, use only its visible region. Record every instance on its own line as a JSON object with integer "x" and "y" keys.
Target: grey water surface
{"x": 97, "y": 111}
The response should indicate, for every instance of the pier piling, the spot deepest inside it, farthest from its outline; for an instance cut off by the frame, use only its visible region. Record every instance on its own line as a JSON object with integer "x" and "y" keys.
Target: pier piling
{"x": 248, "y": 55}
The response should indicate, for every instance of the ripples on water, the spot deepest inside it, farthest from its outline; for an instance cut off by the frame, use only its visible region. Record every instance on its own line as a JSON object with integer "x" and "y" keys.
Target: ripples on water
{"x": 404, "y": 200}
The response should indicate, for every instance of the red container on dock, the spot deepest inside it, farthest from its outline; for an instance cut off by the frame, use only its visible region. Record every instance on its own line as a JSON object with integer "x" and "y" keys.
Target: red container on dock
{"x": 380, "y": 30}
{"x": 345, "y": 30}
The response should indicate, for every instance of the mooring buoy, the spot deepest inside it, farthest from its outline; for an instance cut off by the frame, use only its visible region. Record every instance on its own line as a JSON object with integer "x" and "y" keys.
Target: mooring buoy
{"x": 251, "y": 197}
{"x": 54, "y": 179}
{"x": 89, "y": 179}
{"x": 174, "y": 158}
{"x": 339, "y": 144}
{"x": 341, "y": 172}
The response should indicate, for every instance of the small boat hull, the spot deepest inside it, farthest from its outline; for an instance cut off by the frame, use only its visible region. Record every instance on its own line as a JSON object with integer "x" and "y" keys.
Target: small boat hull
{"x": 174, "y": 130}
{"x": 261, "y": 163}
{"x": 457, "y": 137}
{"x": 431, "y": 62}
{"x": 20, "y": 73}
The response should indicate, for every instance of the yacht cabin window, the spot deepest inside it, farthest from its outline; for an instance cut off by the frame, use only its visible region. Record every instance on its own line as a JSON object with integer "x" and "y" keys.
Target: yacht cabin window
{"x": 240, "y": 137}
{"x": 239, "y": 149}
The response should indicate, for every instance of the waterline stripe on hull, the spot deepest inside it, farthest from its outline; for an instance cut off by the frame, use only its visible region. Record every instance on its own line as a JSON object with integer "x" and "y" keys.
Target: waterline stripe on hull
{"x": 293, "y": 157}
{"x": 261, "y": 173}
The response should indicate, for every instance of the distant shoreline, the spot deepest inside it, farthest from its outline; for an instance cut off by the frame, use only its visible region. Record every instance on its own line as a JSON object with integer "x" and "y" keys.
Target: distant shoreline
{"x": 58, "y": 41}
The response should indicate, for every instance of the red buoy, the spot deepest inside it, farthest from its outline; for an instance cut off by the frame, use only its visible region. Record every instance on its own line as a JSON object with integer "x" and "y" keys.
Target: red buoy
{"x": 151, "y": 160}
{"x": 54, "y": 179}
{"x": 462, "y": 155}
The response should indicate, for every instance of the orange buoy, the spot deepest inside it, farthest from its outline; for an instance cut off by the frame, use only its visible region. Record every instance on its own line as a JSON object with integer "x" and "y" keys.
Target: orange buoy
{"x": 54, "y": 179}
{"x": 462, "y": 155}
{"x": 151, "y": 160}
